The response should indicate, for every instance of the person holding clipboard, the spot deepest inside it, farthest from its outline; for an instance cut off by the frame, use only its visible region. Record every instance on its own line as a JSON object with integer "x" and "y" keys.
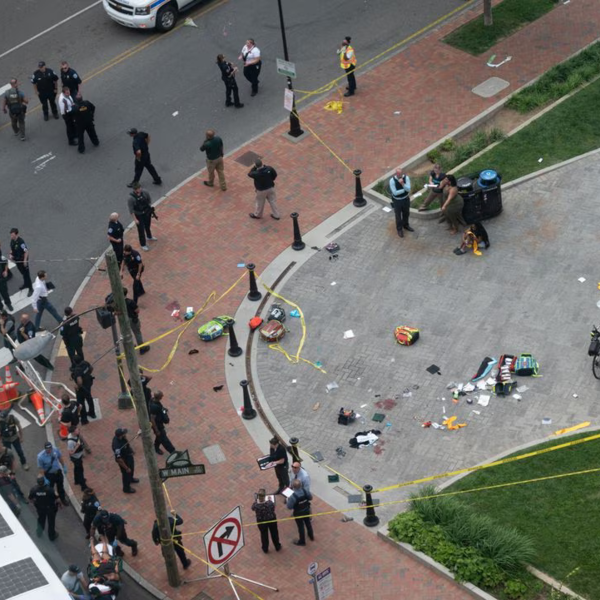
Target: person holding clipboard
{"x": 264, "y": 507}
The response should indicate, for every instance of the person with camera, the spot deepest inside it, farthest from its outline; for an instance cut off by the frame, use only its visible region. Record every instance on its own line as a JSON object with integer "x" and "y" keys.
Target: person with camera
{"x": 140, "y": 208}
{"x": 15, "y": 104}
{"x": 159, "y": 417}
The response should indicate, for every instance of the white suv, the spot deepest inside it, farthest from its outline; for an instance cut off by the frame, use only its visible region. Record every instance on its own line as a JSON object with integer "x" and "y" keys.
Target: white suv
{"x": 146, "y": 14}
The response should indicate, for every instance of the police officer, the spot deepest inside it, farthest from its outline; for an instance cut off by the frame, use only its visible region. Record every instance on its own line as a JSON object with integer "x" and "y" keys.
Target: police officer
{"x": 19, "y": 254}
{"x": 228, "y": 72}
{"x": 140, "y": 208}
{"x": 25, "y": 332}
{"x": 81, "y": 374}
{"x": 71, "y": 333}
{"x": 15, "y": 104}
{"x": 348, "y": 63}
{"x": 141, "y": 141}
{"x": 70, "y": 78}
{"x": 132, "y": 261}
{"x": 83, "y": 116}
{"x": 112, "y": 526}
{"x": 45, "y": 85}
{"x": 250, "y": 54}
{"x": 124, "y": 456}
{"x": 90, "y": 505}
{"x": 159, "y": 417}
{"x": 70, "y": 413}
{"x": 115, "y": 236}
{"x": 174, "y": 521}
{"x": 76, "y": 447}
{"x": 45, "y": 501}
{"x": 51, "y": 465}
{"x": 5, "y": 275}
{"x": 12, "y": 435}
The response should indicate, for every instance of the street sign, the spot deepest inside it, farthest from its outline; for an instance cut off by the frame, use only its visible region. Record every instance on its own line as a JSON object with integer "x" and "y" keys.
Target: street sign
{"x": 288, "y": 100}
{"x": 312, "y": 568}
{"x": 179, "y": 464}
{"x": 286, "y": 68}
{"x": 224, "y": 540}
{"x": 325, "y": 584}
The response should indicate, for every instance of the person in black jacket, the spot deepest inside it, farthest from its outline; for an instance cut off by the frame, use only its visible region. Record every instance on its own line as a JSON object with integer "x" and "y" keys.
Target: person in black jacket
{"x": 279, "y": 459}
{"x": 228, "y": 72}
{"x": 141, "y": 141}
{"x": 70, "y": 78}
{"x": 159, "y": 417}
{"x": 299, "y": 503}
{"x": 26, "y": 331}
{"x": 174, "y": 521}
{"x": 71, "y": 333}
{"x": 45, "y": 85}
{"x": 264, "y": 183}
{"x": 83, "y": 115}
{"x": 90, "y": 505}
{"x": 45, "y": 501}
{"x": 81, "y": 374}
{"x": 139, "y": 204}
{"x": 115, "y": 233}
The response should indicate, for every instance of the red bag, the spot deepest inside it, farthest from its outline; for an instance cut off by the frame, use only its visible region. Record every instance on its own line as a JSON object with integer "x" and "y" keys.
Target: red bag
{"x": 272, "y": 331}
{"x": 406, "y": 336}
{"x": 255, "y": 323}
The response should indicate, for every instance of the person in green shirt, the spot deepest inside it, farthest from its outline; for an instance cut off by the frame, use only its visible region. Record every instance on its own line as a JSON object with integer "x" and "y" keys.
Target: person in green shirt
{"x": 213, "y": 146}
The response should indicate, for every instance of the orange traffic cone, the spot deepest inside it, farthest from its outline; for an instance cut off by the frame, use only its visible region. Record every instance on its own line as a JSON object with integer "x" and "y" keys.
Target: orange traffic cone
{"x": 38, "y": 403}
{"x": 4, "y": 401}
{"x": 63, "y": 431}
{"x": 7, "y": 375}
{"x": 10, "y": 386}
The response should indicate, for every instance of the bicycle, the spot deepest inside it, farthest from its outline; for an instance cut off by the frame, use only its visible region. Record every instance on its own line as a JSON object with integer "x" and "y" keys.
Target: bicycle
{"x": 594, "y": 351}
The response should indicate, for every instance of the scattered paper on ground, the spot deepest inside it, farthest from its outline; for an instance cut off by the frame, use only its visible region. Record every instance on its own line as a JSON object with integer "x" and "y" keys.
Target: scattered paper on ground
{"x": 484, "y": 399}
{"x": 348, "y": 334}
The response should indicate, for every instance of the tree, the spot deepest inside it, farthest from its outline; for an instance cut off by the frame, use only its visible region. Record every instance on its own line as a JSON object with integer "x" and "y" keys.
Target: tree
{"x": 488, "y": 19}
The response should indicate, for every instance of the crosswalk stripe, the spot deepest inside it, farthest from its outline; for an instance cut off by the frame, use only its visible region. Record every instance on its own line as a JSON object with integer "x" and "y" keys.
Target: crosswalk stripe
{"x": 19, "y": 299}
{"x": 22, "y": 420}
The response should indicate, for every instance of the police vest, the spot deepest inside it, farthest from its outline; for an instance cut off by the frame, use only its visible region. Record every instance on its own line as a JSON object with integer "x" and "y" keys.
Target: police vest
{"x": 346, "y": 63}
{"x": 302, "y": 505}
{"x": 14, "y": 101}
{"x": 8, "y": 429}
{"x": 402, "y": 194}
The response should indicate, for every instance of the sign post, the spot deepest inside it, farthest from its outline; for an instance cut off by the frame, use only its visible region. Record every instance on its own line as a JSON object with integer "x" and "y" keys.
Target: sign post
{"x": 322, "y": 582}
{"x": 222, "y": 542}
{"x": 284, "y": 67}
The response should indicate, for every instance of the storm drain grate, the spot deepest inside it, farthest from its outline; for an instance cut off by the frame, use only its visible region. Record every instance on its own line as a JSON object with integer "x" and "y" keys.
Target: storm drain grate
{"x": 248, "y": 158}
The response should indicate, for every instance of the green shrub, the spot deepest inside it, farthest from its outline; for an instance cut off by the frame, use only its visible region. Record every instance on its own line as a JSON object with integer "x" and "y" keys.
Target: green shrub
{"x": 448, "y": 145}
{"x": 434, "y": 156}
{"x": 559, "y": 81}
{"x": 507, "y": 547}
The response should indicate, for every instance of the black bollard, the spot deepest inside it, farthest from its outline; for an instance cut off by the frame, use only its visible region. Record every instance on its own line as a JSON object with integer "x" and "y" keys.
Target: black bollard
{"x": 234, "y": 347}
{"x": 371, "y": 520}
{"x": 248, "y": 412}
{"x": 359, "y": 201}
{"x": 295, "y": 452}
{"x": 298, "y": 243}
{"x": 253, "y": 294}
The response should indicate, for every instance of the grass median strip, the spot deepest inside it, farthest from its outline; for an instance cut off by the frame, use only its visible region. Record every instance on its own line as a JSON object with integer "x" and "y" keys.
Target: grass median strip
{"x": 561, "y": 516}
{"x": 509, "y": 16}
{"x": 568, "y": 130}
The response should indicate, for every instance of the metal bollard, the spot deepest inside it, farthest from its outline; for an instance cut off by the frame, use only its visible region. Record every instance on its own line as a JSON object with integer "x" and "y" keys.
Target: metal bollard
{"x": 359, "y": 201}
{"x": 294, "y": 451}
{"x": 248, "y": 412}
{"x": 234, "y": 347}
{"x": 371, "y": 520}
{"x": 298, "y": 243}
{"x": 253, "y": 294}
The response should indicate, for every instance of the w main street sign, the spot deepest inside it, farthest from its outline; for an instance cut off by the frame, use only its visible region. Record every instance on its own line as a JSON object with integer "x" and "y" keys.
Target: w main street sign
{"x": 180, "y": 465}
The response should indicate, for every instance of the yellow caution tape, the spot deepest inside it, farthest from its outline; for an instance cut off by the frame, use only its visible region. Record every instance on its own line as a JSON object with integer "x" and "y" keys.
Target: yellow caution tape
{"x": 335, "y": 106}
{"x": 488, "y": 465}
{"x": 573, "y": 428}
{"x": 294, "y": 358}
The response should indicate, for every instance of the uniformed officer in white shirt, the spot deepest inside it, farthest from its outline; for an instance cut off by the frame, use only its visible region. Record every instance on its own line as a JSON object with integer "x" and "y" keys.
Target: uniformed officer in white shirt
{"x": 252, "y": 64}
{"x": 66, "y": 104}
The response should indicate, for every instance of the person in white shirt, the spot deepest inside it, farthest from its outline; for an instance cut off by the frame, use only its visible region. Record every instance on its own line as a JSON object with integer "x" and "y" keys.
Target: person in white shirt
{"x": 76, "y": 583}
{"x": 298, "y": 472}
{"x": 250, "y": 54}
{"x": 66, "y": 104}
{"x": 40, "y": 302}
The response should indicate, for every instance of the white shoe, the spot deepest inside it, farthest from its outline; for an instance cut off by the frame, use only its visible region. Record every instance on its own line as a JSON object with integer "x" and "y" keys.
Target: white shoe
{"x": 145, "y": 248}
{"x": 152, "y": 239}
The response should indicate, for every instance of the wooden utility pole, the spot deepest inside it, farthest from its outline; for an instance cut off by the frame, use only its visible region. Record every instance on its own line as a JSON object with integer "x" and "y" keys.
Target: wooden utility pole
{"x": 488, "y": 19}
{"x": 158, "y": 499}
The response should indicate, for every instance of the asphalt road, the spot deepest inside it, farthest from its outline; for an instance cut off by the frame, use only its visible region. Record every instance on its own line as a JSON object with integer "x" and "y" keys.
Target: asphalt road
{"x": 139, "y": 79}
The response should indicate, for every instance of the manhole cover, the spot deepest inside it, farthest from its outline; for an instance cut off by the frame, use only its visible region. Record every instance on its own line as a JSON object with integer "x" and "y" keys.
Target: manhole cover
{"x": 247, "y": 159}
{"x": 490, "y": 87}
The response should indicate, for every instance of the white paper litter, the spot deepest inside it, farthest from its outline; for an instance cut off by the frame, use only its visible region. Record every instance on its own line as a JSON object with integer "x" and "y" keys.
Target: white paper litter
{"x": 490, "y": 381}
{"x": 575, "y": 395}
{"x": 540, "y": 160}
{"x": 363, "y": 405}
{"x": 348, "y": 334}
{"x": 476, "y": 412}
{"x": 333, "y": 283}
{"x": 175, "y": 113}
{"x": 468, "y": 387}
{"x": 396, "y": 112}
{"x": 546, "y": 421}
{"x": 294, "y": 380}
{"x": 332, "y": 386}
{"x": 581, "y": 279}
{"x": 451, "y": 385}
{"x": 481, "y": 385}
{"x": 484, "y": 399}
{"x": 522, "y": 388}
{"x": 386, "y": 209}
{"x": 443, "y": 410}
{"x": 517, "y": 396}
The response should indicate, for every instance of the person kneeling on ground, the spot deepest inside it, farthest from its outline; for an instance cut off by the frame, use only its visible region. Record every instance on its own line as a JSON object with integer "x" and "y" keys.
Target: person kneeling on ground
{"x": 475, "y": 236}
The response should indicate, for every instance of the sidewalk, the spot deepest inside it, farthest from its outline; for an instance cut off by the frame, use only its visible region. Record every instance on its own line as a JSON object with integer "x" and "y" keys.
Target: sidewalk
{"x": 203, "y": 234}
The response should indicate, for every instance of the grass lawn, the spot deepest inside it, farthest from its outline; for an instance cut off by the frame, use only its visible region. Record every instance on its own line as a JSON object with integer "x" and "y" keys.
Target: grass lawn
{"x": 509, "y": 16}
{"x": 561, "y": 515}
{"x": 570, "y": 129}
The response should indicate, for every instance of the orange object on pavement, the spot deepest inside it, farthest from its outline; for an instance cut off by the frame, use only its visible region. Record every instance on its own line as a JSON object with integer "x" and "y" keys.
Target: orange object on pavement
{"x": 38, "y": 403}
{"x": 10, "y": 386}
{"x": 4, "y": 401}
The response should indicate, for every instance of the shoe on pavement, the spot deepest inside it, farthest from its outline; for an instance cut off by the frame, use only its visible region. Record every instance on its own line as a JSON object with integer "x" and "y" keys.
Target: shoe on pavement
{"x": 10, "y": 307}
{"x": 130, "y": 185}
{"x": 134, "y": 550}
{"x": 144, "y": 349}
{"x": 130, "y": 491}
{"x": 298, "y": 543}
{"x": 408, "y": 228}
{"x": 65, "y": 501}
{"x": 278, "y": 547}
{"x": 157, "y": 182}
{"x": 159, "y": 451}
{"x": 54, "y": 537}
{"x": 145, "y": 248}
{"x": 401, "y": 233}
{"x": 187, "y": 564}
{"x": 348, "y": 94}
{"x": 208, "y": 184}
{"x": 30, "y": 293}
{"x": 46, "y": 117}
{"x": 253, "y": 216}
{"x": 135, "y": 480}
{"x": 55, "y": 115}
{"x": 276, "y": 218}
{"x": 239, "y": 105}
{"x": 153, "y": 239}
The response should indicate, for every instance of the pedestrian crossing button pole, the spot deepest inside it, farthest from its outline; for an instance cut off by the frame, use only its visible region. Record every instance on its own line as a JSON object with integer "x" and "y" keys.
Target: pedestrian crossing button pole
{"x": 359, "y": 200}
{"x": 298, "y": 244}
